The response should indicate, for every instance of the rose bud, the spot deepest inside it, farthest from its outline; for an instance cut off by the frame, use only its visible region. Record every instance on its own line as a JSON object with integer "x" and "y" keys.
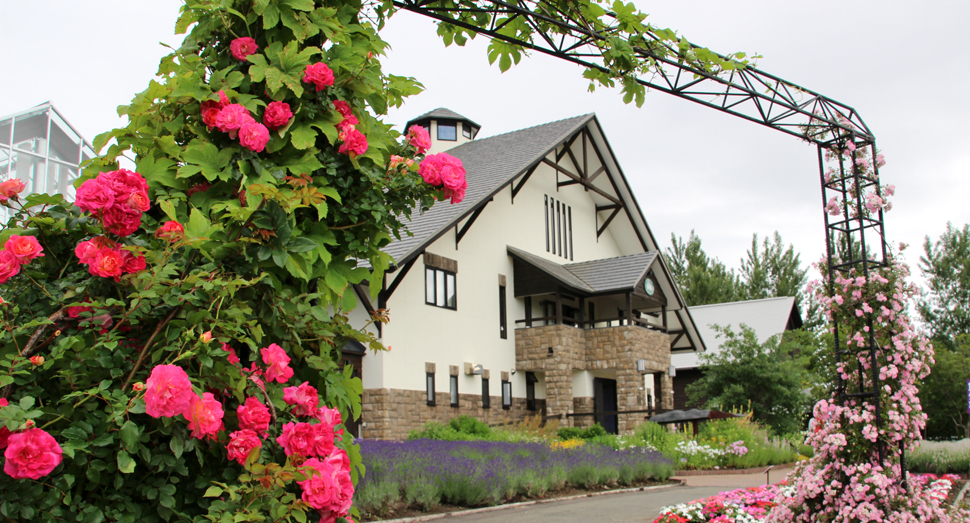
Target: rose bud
{"x": 206, "y": 337}
{"x": 37, "y": 360}
{"x": 138, "y": 386}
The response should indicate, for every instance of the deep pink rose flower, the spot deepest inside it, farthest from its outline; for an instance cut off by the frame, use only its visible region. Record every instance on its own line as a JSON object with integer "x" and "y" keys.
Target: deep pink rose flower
{"x": 132, "y": 263}
{"x": 75, "y": 312}
{"x": 277, "y": 115}
{"x": 306, "y": 440}
{"x": 171, "y": 231}
{"x": 209, "y": 115}
{"x": 304, "y": 397}
{"x": 9, "y": 266}
{"x": 92, "y": 196}
{"x": 86, "y": 251}
{"x": 168, "y": 391}
{"x": 319, "y": 490}
{"x": 354, "y": 142}
{"x": 108, "y": 263}
{"x": 25, "y": 248}
{"x": 10, "y": 188}
{"x": 347, "y": 124}
{"x": 4, "y": 432}
{"x": 278, "y": 362}
{"x": 241, "y": 443}
{"x": 330, "y": 417}
{"x": 31, "y": 454}
{"x": 204, "y": 415}
{"x": 456, "y": 195}
{"x": 232, "y": 358}
{"x": 243, "y": 47}
{"x": 319, "y": 75}
{"x": 138, "y": 201}
{"x": 123, "y": 182}
{"x": 253, "y": 136}
{"x": 254, "y": 416}
{"x": 418, "y": 137}
{"x": 121, "y": 220}
{"x": 232, "y": 117}
{"x": 340, "y": 463}
{"x": 343, "y": 108}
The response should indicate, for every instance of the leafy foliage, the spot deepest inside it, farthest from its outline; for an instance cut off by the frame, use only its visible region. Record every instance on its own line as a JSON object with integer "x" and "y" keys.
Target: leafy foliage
{"x": 943, "y": 393}
{"x": 701, "y": 279}
{"x": 946, "y": 267}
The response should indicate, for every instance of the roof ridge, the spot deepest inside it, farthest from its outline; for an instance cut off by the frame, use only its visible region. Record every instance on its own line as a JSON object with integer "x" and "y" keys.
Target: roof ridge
{"x": 479, "y": 140}
{"x": 614, "y": 257}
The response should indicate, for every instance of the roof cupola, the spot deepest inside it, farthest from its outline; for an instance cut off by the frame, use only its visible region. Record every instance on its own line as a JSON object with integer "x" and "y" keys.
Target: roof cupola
{"x": 447, "y": 129}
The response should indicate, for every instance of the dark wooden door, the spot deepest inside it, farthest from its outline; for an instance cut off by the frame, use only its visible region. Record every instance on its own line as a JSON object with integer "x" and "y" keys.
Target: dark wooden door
{"x": 604, "y": 400}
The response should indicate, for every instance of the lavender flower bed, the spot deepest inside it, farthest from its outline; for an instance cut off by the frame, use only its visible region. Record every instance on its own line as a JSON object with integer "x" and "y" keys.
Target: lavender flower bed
{"x": 424, "y": 473}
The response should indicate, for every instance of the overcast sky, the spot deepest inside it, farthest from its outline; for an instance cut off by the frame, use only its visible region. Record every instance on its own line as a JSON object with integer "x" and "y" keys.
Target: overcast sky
{"x": 901, "y": 65}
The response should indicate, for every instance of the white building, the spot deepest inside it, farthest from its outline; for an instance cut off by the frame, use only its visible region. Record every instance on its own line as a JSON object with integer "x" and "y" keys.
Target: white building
{"x": 542, "y": 293}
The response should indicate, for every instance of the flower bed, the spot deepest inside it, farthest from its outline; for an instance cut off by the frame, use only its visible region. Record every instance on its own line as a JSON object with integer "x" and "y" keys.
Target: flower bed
{"x": 752, "y": 505}
{"x": 424, "y": 473}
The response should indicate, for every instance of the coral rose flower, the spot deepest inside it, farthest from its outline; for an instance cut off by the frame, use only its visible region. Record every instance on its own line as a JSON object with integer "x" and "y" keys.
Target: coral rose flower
{"x": 10, "y": 188}
{"x": 243, "y": 47}
{"x": 204, "y": 415}
{"x": 319, "y": 75}
{"x": 9, "y": 266}
{"x": 254, "y": 416}
{"x": 171, "y": 231}
{"x": 108, "y": 263}
{"x": 168, "y": 392}
{"x": 25, "y": 248}
{"x": 277, "y": 115}
{"x": 278, "y": 362}
{"x": 241, "y": 443}
{"x": 253, "y": 136}
{"x": 31, "y": 454}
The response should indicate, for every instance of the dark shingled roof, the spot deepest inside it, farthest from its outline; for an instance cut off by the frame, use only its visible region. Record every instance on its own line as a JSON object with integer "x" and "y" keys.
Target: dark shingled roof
{"x": 440, "y": 114}
{"x": 596, "y": 276}
{"x": 490, "y": 164}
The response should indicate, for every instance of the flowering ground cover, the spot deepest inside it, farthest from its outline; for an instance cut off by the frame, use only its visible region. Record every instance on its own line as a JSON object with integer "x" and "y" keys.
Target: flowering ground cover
{"x": 423, "y": 473}
{"x": 752, "y": 505}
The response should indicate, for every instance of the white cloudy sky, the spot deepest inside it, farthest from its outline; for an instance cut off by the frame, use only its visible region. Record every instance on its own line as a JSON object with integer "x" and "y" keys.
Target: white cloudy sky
{"x": 902, "y": 65}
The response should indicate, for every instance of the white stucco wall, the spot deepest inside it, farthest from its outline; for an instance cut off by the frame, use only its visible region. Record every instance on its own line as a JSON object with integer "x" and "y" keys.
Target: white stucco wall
{"x": 420, "y": 333}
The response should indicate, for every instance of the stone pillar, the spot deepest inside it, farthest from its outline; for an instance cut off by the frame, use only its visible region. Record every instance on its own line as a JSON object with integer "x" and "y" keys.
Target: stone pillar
{"x": 559, "y": 393}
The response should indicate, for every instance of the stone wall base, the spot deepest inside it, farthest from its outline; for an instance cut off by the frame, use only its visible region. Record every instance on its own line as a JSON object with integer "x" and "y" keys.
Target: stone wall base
{"x": 392, "y": 413}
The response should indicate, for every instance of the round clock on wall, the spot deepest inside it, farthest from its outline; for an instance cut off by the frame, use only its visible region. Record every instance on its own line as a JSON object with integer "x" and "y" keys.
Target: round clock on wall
{"x": 648, "y": 286}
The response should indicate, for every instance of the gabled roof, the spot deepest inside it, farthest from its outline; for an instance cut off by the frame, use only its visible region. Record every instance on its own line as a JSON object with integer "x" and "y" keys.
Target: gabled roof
{"x": 596, "y": 276}
{"x": 440, "y": 113}
{"x": 490, "y": 164}
{"x": 767, "y": 317}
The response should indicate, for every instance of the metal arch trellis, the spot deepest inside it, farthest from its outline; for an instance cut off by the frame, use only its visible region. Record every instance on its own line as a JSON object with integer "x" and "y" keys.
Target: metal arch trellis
{"x": 855, "y": 244}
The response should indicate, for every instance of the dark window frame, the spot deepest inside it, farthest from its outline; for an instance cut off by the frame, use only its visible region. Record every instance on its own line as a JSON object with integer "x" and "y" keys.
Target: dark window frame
{"x": 434, "y": 288}
{"x": 530, "y": 390}
{"x": 466, "y": 130}
{"x": 506, "y": 384}
{"x": 486, "y": 399}
{"x": 503, "y": 312}
{"x": 559, "y": 227}
{"x": 453, "y": 390}
{"x": 429, "y": 388}
{"x": 446, "y": 124}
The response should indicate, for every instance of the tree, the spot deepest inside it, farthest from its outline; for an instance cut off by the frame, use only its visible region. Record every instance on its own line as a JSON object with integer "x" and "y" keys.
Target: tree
{"x": 943, "y": 393}
{"x": 770, "y": 378}
{"x": 946, "y": 267}
{"x": 701, "y": 279}
{"x": 771, "y": 270}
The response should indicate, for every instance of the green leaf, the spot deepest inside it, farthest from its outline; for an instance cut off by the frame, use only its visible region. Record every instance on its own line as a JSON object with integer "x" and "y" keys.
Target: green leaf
{"x": 169, "y": 209}
{"x": 303, "y": 136}
{"x": 177, "y": 446}
{"x": 129, "y": 435}
{"x": 299, "y": 5}
{"x": 26, "y": 402}
{"x": 125, "y": 464}
{"x": 301, "y": 244}
{"x": 212, "y": 492}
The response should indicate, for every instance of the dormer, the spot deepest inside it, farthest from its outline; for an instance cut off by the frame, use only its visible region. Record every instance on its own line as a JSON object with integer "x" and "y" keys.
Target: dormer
{"x": 447, "y": 129}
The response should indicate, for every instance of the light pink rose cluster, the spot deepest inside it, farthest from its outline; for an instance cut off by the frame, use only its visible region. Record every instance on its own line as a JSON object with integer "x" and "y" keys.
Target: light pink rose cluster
{"x": 10, "y": 188}
{"x": 353, "y": 142}
{"x": 419, "y": 138}
{"x": 235, "y": 120}
{"x": 447, "y": 171}
{"x": 105, "y": 258}
{"x": 117, "y": 198}
{"x": 18, "y": 251}
{"x": 168, "y": 393}
{"x": 329, "y": 488}
{"x": 279, "y": 363}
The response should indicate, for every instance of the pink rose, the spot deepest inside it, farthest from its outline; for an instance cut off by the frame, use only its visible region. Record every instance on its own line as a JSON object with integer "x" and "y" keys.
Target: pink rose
{"x": 343, "y": 108}
{"x": 456, "y": 195}
{"x": 277, "y": 115}
{"x": 349, "y": 120}
{"x": 108, "y": 263}
{"x": 10, "y": 188}
{"x": 123, "y": 182}
{"x": 278, "y": 362}
{"x": 232, "y": 117}
{"x": 340, "y": 463}
{"x": 4, "y": 432}
{"x": 437, "y": 168}
{"x": 330, "y": 417}
{"x": 138, "y": 201}
{"x": 121, "y": 220}
{"x": 354, "y": 142}
{"x": 254, "y": 416}
{"x": 93, "y": 196}
{"x": 319, "y": 75}
{"x": 86, "y": 251}
{"x": 25, "y": 248}
{"x": 31, "y": 454}
{"x": 168, "y": 391}
{"x": 204, "y": 415}
{"x": 171, "y": 231}
{"x": 243, "y": 47}
{"x": 241, "y": 443}
{"x": 304, "y": 397}
{"x": 253, "y": 136}
{"x": 306, "y": 440}
{"x": 9, "y": 266}
{"x": 319, "y": 489}
{"x": 418, "y": 137}
{"x": 232, "y": 358}
{"x": 132, "y": 263}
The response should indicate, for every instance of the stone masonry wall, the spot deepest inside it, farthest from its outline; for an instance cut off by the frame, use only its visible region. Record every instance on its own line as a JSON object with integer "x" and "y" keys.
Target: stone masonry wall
{"x": 556, "y": 351}
{"x": 392, "y": 413}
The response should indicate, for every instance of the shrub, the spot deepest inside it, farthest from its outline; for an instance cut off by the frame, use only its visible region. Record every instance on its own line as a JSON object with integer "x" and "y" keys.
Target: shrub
{"x": 439, "y": 431}
{"x": 588, "y": 433}
{"x": 471, "y": 426}
{"x": 940, "y": 457}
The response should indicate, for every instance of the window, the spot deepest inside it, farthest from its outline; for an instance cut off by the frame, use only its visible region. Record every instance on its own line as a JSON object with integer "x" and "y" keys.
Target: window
{"x": 530, "y": 390}
{"x": 429, "y": 388}
{"x": 447, "y": 131}
{"x": 559, "y": 227}
{"x": 502, "y": 313}
{"x": 486, "y": 399}
{"x": 454, "y": 391}
{"x": 466, "y": 130}
{"x": 440, "y": 288}
{"x": 506, "y": 394}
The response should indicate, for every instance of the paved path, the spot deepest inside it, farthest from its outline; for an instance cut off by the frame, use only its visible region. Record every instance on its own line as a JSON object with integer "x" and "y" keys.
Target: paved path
{"x": 636, "y": 506}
